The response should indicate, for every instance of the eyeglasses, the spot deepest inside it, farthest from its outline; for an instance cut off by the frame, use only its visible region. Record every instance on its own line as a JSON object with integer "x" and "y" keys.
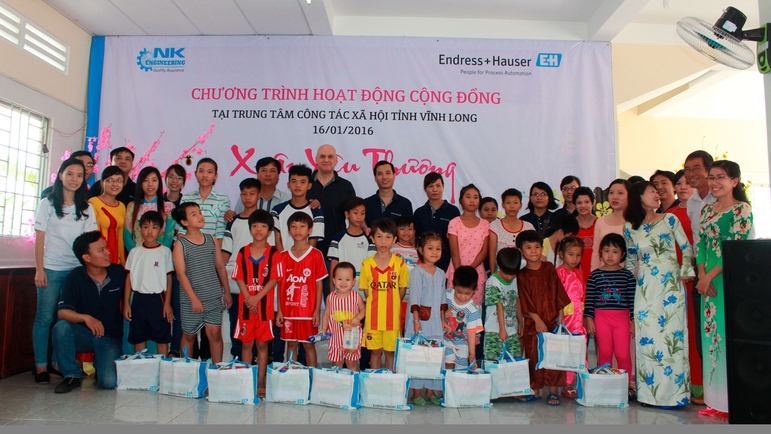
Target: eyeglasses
{"x": 719, "y": 178}
{"x": 89, "y": 165}
{"x": 696, "y": 169}
{"x": 539, "y": 194}
{"x": 113, "y": 181}
{"x": 174, "y": 178}
{"x": 569, "y": 189}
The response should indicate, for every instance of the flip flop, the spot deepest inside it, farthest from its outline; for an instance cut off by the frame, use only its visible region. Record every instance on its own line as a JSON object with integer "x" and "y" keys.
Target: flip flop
{"x": 552, "y": 398}
{"x": 435, "y": 400}
{"x": 528, "y": 398}
{"x": 570, "y": 393}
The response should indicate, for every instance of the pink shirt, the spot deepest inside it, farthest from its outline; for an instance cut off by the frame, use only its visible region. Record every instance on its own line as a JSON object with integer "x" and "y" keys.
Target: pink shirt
{"x": 601, "y": 228}
{"x": 470, "y": 242}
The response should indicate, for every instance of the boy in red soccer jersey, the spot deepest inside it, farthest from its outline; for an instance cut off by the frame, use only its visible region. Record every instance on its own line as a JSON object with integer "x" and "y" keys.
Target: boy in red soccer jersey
{"x": 384, "y": 279}
{"x": 255, "y": 273}
{"x": 300, "y": 271}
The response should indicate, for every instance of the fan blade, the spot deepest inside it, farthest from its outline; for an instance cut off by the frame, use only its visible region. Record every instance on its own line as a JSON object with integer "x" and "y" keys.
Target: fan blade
{"x": 715, "y": 43}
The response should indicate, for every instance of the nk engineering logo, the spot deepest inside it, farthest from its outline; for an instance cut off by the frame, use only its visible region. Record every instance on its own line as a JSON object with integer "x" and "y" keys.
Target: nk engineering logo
{"x": 168, "y": 59}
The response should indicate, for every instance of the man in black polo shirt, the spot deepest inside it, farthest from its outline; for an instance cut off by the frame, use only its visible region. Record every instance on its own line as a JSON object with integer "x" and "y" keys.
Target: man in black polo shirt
{"x": 386, "y": 202}
{"x": 123, "y": 158}
{"x": 90, "y": 318}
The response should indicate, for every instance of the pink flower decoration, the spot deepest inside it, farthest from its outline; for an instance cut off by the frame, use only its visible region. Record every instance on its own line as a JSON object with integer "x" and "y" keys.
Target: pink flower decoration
{"x": 53, "y": 178}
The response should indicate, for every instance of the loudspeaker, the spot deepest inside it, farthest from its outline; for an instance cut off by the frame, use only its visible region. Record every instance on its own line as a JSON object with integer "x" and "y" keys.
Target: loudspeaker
{"x": 747, "y": 296}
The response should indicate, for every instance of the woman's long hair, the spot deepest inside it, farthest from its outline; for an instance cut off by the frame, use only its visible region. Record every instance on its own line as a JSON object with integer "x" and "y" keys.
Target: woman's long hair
{"x": 81, "y": 194}
{"x": 139, "y": 194}
{"x": 634, "y": 212}
{"x": 733, "y": 171}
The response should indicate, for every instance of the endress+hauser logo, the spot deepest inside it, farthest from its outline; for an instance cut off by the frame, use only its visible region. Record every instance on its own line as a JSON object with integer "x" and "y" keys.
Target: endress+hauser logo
{"x": 162, "y": 59}
{"x": 548, "y": 60}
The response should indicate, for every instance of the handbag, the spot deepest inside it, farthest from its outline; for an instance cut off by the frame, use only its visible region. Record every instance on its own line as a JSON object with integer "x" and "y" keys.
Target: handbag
{"x": 140, "y": 371}
{"x": 335, "y": 387}
{"x": 419, "y": 358}
{"x": 510, "y": 375}
{"x": 234, "y": 382}
{"x": 561, "y": 351}
{"x": 183, "y": 376}
{"x": 603, "y": 387}
{"x": 288, "y": 382}
{"x": 381, "y": 388}
{"x": 466, "y": 388}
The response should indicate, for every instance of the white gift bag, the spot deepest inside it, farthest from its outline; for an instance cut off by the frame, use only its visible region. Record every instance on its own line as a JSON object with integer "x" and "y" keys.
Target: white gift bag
{"x": 234, "y": 382}
{"x": 335, "y": 387}
{"x": 510, "y": 376}
{"x": 288, "y": 382}
{"x": 467, "y": 388}
{"x": 140, "y": 371}
{"x": 601, "y": 387}
{"x": 183, "y": 376}
{"x": 382, "y": 388}
{"x": 417, "y": 358}
{"x": 561, "y": 351}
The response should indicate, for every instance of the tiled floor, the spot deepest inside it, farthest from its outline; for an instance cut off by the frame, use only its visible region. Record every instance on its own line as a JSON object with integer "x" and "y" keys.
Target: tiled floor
{"x": 22, "y": 402}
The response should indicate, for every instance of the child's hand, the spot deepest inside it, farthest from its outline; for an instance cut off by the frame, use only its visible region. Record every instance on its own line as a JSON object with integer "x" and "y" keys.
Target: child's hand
{"x": 447, "y": 313}
{"x": 227, "y": 300}
{"x": 127, "y": 312}
{"x": 315, "y": 320}
{"x": 540, "y": 327}
{"x": 280, "y": 319}
{"x": 168, "y": 313}
{"x": 503, "y": 335}
{"x": 197, "y": 305}
{"x": 417, "y": 327}
{"x": 446, "y": 326}
{"x": 251, "y": 303}
{"x": 355, "y": 322}
{"x": 323, "y": 331}
{"x": 590, "y": 326}
{"x": 520, "y": 330}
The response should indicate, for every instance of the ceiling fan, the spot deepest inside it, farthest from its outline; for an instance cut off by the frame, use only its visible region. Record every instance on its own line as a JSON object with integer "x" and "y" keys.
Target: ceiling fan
{"x": 723, "y": 41}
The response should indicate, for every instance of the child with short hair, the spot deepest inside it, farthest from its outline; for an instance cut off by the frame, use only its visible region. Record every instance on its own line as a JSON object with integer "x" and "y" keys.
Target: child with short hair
{"x": 300, "y": 272}
{"x": 351, "y": 245}
{"x": 149, "y": 267}
{"x": 609, "y": 309}
{"x": 488, "y": 209}
{"x": 344, "y": 310}
{"x": 542, "y": 300}
{"x": 564, "y": 225}
{"x": 503, "y": 313}
{"x": 254, "y": 271}
{"x": 405, "y": 248}
{"x": 203, "y": 279}
{"x": 571, "y": 253}
{"x": 503, "y": 232}
{"x": 463, "y": 320}
{"x": 384, "y": 279}
{"x": 428, "y": 302}
{"x": 238, "y": 233}
{"x": 300, "y": 182}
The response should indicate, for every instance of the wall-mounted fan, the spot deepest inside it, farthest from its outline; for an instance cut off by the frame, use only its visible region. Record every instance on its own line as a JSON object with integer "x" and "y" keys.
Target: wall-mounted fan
{"x": 723, "y": 41}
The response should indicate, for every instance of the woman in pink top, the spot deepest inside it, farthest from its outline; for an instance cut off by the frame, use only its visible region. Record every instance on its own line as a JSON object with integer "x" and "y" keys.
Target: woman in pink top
{"x": 468, "y": 240}
{"x": 613, "y": 222}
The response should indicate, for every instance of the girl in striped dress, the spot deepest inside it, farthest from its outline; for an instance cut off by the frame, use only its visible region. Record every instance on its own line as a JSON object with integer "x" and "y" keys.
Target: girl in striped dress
{"x": 344, "y": 308}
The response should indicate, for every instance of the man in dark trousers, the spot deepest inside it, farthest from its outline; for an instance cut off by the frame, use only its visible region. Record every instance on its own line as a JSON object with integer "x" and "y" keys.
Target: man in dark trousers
{"x": 90, "y": 318}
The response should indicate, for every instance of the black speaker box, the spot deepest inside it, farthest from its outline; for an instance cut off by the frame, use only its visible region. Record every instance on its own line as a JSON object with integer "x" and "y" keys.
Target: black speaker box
{"x": 747, "y": 296}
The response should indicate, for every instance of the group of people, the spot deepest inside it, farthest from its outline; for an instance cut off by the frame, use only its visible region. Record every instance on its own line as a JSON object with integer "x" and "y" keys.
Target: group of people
{"x": 319, "y": 262}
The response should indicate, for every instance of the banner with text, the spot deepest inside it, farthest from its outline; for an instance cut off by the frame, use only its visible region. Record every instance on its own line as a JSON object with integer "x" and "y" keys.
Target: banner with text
{"x": 498, "y": 113}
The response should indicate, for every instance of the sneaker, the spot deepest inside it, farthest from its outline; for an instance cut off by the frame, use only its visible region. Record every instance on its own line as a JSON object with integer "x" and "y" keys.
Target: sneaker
{"x": 42, "y": 377}
{"x": 68, "y": 385}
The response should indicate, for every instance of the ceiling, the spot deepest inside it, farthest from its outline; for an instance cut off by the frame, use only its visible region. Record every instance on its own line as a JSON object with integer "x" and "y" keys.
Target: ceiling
{"x": 619, "y": 21}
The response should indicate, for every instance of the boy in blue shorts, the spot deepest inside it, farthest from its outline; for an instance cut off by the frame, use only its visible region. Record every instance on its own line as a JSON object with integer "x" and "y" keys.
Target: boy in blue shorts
{"x": 149, "y": 267}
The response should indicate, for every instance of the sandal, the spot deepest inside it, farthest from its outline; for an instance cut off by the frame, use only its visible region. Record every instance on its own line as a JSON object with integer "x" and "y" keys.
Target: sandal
{"x": 420, "y": 402}
{"x": 570, "y": 393}
{"x": 435, "y": 400}
{"x": 632, "y": 393}
{"x": 553, "y": 399}
{"x": 261, "y": 392}
{"x": 528, "y": 398}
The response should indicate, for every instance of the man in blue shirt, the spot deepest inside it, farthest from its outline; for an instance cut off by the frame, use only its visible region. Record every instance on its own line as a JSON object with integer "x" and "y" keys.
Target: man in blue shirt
{"x": 386, "y": 202}
{"x": 90, "y": 318}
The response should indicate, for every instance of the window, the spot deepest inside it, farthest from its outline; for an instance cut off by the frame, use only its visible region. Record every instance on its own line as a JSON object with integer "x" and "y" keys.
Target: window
{"x": 28, "y": 36}
{"x": 22, "y": 168}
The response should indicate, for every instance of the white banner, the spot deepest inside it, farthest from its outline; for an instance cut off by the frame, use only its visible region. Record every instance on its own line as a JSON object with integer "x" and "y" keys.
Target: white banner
{"x": 498, "y": 113}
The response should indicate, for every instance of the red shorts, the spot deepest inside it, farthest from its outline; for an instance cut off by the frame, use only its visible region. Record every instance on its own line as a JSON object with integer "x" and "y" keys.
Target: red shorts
{"x": 254, "y": 330}
{"x": 298, "y": 329}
